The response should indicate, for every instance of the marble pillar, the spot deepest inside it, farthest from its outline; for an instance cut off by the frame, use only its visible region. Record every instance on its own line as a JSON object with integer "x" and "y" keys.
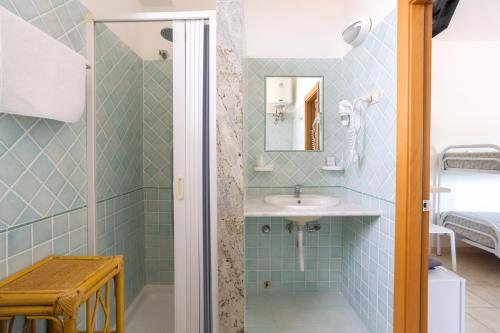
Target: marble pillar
{"x": 230, "y": 165}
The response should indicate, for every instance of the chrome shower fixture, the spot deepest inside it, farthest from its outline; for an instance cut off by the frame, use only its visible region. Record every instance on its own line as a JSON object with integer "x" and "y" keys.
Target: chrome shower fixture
{"x": 163, "y": 54}
{"x": 279, "y": 113}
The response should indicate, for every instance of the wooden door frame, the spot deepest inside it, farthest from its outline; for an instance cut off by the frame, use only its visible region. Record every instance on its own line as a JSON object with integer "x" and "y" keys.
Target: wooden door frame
{"x": 308, "y": 118}
{"x": 412, "y": 165}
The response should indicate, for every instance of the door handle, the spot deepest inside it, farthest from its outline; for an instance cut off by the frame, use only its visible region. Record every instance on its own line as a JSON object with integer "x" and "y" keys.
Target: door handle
{"x": 179, "y": 188}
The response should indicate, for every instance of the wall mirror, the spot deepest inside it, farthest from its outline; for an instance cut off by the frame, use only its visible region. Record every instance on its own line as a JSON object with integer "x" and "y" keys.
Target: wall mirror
{"x": 294, "y": 113}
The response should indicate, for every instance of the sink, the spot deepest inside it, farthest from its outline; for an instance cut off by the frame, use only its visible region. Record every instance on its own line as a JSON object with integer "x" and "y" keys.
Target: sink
{"x": 304, "y": 202}
{"x": 301, "y": 206}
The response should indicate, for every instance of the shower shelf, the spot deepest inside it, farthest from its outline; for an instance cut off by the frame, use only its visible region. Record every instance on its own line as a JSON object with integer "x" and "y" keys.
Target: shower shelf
{"x": 332, "y": 168}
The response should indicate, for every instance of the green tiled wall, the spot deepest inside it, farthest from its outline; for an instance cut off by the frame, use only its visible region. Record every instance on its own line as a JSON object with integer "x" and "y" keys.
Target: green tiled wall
{"x": 120, "y": 230}
{"x": 157, "y": 161}
{"x": 274, "y": 257}
{"x": 299, "y": 167}
{"x": 119, "y": 76}
{"x": 42, "y": 162}
{"x": 120, "y": 204}
{"x": 367, "y": 259}
{"x": 159, "y": 236}
{"x": 61, "y": 234}
{"x": 368, "y": 266}
{"x": 158, "y": 107}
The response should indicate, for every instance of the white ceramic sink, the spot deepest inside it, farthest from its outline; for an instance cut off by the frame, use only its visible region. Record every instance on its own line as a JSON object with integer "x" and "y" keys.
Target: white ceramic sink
{"x": 304, "y": 202}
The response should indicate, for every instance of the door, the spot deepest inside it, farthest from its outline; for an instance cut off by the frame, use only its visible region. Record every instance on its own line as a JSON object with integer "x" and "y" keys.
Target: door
{"x": 193, "y": 174}
{"x": 412, "y": 165}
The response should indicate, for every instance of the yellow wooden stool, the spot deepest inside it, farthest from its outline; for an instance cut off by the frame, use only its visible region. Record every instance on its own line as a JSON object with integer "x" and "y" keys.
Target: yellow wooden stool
{"x": 55, "y": 288}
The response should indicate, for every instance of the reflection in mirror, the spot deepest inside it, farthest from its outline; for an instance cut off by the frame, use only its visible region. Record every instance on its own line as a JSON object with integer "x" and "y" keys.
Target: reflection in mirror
{"x": 294, "y": 114}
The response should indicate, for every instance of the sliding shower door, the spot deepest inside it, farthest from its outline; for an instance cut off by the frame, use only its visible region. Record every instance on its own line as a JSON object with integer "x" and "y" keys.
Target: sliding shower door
{"x": 153, "y": 155}
{"x": 188, "y": 171}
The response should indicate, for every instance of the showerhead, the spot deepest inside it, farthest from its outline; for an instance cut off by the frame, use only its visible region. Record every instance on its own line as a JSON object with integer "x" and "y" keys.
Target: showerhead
{"x": 167, "y": 33}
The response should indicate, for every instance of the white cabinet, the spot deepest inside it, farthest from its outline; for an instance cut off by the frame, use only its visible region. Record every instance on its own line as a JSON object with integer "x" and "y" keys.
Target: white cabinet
{"x": 446, "y": 301}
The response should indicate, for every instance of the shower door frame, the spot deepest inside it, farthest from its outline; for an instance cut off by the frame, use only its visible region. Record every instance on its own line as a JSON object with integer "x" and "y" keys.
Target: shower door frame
{"x": 174, "y": 17}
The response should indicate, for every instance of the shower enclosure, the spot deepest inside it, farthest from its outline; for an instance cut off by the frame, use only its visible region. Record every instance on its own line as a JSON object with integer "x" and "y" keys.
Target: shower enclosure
{"x": 151, "y": 146}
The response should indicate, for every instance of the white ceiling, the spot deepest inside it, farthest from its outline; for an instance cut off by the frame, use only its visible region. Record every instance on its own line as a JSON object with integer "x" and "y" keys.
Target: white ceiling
{"x": 474, "y": 20}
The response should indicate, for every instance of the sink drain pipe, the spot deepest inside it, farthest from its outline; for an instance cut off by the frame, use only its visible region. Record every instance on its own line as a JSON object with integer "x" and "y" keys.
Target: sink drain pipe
{"x": 300, "y": 244}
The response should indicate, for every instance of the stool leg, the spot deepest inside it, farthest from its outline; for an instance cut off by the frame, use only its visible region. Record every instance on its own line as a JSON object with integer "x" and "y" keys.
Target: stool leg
{"x": 120, "y": 301}
{"x": 453, "y": 252}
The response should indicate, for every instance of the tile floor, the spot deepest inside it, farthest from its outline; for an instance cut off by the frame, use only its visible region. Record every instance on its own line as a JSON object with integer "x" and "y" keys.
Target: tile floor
{"x": 482, "y": 301}
{"x": 303, "y": 312}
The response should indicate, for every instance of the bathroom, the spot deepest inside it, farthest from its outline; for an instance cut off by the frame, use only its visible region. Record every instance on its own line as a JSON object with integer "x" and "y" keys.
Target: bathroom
{"x": 231, "y": 176}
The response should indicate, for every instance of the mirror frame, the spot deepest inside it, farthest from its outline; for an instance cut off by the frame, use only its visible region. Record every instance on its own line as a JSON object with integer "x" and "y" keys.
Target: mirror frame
{"x": 322, "y": 102}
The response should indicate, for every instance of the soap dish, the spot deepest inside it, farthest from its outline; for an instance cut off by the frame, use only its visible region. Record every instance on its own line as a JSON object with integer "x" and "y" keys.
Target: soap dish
{"x": 332, "y": 168}
{"x": 267, "y": 168}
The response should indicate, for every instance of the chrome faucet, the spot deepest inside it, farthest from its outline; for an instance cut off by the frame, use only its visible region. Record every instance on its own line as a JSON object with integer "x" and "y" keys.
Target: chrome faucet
{"x": 298, "y": 190}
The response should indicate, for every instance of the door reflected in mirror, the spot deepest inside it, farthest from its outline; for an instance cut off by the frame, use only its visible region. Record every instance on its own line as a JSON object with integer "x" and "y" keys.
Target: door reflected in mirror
{"x": 294, "y": 113}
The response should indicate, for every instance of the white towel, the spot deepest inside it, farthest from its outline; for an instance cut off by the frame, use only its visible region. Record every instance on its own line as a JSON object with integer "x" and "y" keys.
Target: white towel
{"x": 39, "y": 76}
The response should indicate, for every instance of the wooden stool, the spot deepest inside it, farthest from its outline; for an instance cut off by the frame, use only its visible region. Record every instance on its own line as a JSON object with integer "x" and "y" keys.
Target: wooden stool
{"x": 57, "y": 286}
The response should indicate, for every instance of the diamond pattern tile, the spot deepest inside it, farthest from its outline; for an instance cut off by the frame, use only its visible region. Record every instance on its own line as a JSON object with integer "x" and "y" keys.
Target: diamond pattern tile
{"x": 292, "y": 168}
{"x": 43, "y": 162}
{"x": 119, "y": 117}
{"x": 35, "y": 149}
{"x": 372, "y": 66}
{"x": 368, "y": 243}
{"x": 157, "y": 142}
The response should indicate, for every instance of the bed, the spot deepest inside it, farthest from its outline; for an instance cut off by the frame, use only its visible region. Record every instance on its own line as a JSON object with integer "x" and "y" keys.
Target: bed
{"x": 480, "y": 229}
